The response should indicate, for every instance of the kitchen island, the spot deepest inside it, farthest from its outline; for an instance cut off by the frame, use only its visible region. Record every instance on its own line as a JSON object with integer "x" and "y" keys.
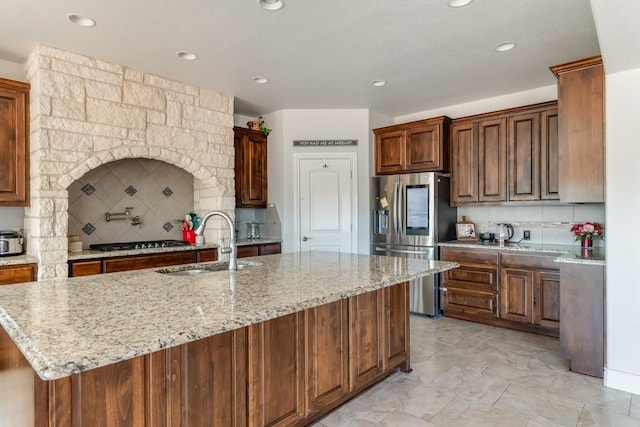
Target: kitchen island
{"x": 280, "y": 343}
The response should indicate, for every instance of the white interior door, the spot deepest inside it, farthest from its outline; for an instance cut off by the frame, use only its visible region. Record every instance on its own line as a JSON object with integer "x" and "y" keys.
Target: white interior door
{"x": 326, "y": 201}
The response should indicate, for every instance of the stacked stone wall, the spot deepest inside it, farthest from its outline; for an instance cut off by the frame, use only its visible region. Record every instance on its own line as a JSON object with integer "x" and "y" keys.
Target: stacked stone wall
{"x": 86, "y": 112}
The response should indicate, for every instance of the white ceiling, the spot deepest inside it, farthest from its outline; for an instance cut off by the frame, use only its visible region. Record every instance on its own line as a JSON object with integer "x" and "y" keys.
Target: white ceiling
{"x": 322, "y": 53}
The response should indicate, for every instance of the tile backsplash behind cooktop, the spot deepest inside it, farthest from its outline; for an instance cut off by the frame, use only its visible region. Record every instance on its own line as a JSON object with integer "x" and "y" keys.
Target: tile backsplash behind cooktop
{"x": 159, "y": 193}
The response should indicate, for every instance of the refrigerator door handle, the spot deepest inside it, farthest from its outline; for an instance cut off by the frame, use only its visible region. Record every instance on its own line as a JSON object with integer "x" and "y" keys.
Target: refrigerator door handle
{"x": 396, "y": 222}
{"x": 399, "y": 251}
{"x": 399, "y": 208}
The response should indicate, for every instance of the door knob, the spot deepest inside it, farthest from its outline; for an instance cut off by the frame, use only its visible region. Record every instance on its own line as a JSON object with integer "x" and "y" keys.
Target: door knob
{"x": 305, "y": 238}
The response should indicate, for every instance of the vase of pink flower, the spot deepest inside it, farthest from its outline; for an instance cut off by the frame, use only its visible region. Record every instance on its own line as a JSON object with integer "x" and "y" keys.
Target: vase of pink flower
{"x": 587, "y": 233}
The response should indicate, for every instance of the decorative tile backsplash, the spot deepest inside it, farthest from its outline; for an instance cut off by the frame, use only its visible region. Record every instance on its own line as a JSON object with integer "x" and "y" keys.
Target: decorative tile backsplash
{"x": 548, "y": 224}
{"x": 158, "y": 192}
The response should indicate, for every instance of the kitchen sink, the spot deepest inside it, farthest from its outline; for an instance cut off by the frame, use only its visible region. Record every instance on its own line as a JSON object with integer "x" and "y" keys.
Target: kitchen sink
{"x": 195, "y": 269}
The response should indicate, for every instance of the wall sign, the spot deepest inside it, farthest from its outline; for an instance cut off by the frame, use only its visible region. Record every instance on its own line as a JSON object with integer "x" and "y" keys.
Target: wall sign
{"x": 325, "y": 142}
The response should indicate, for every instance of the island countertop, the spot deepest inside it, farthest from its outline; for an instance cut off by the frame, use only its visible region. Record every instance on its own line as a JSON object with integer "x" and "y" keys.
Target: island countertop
{"x": 66, "y": 326}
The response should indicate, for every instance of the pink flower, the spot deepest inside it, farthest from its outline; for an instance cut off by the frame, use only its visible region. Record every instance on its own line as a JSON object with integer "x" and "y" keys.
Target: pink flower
{"x": 588, "y": 228}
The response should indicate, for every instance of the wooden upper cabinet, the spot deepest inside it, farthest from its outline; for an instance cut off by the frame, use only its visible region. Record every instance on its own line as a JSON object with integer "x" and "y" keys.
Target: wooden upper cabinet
{"x": 250, "y": 168}
{"x": 524, "y": 157}
{"x": 464, "y": 163}
{"x": 549, "y": 155}
{"x": 505, "y": 156}
{"x": 420, "y": 146}
{"x": 492, "y": 159}
{"x": 581, "y": 130}
{"x": 14, "y": 143}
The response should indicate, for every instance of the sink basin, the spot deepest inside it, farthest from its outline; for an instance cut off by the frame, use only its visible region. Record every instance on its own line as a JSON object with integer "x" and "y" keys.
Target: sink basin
{"x": 195, "y": 269}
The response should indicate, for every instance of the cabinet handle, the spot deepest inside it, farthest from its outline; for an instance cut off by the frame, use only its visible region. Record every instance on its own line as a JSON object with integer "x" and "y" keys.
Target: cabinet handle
{"x": 443, "y": 288}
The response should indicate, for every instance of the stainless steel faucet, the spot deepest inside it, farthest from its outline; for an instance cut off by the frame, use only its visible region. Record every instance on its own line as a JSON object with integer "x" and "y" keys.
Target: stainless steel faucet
{"x": 232, "y": 249}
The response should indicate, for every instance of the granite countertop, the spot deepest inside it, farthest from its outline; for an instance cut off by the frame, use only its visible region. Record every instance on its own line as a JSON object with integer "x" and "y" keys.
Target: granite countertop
{"x": 17, "y": 260}
{"x": 566, "y": 253}
{"x": 68, "y": 325}
{"x": 91, "y": 254}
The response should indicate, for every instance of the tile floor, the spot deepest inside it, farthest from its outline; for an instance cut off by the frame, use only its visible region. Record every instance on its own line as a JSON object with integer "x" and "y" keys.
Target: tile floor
{"x": 467, "y": 374}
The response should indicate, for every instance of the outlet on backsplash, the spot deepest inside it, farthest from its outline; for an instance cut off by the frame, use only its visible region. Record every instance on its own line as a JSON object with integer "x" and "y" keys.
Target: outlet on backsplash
{"x": 527, "y": 235}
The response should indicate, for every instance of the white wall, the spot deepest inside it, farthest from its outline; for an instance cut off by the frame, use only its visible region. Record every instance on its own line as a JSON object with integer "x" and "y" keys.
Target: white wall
{"x": 623, "y": 210}
{"x": 288, "y": 125}
{"x": 12, "y": 71}
{"x": 517, "y": 99}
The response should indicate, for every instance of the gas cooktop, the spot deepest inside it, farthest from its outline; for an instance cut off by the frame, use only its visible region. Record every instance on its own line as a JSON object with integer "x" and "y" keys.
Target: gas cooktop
{"x": 149, "y": 244}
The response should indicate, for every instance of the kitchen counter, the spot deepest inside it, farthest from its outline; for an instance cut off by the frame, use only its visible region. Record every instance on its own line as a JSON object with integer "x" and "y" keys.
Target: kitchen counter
{"x": 70, "y": 325}
{"x": 17, "y": 260}
{"x": 517, "y": 247}
{"x": 92, "y": 254}
{"x": 566, "y": 254}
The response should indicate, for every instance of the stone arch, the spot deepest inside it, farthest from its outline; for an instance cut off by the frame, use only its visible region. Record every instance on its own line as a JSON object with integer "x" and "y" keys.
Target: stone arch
{"x": 183, "y": 161}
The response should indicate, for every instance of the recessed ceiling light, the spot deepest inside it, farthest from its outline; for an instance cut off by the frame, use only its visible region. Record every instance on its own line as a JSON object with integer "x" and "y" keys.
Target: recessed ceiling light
{"x": 378, "y": 83}
{"x": 83, "y": 21}
{"x": 260, "y": 80}
{"x": 459, "y": 3}
{"x": 504, "y": 46}
{"x": 271, "y": 4}
{"x": 187, "y": 56}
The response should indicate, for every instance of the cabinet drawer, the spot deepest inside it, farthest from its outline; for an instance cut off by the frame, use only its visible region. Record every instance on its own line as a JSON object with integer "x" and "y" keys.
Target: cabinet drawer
{"x": 17, "y": 274}
{"x": 247, "y": 251}
{"x": 270, "y": 248}
{"x": 149, "y": 261}
{"x": 207, "y": 255}
{"x": 85, "y": 268}
{"x": 529, "y": 261}
{"x": 470, "y": 256}
{"x": 471, "y": 277}
{"x": 465, "y": 301}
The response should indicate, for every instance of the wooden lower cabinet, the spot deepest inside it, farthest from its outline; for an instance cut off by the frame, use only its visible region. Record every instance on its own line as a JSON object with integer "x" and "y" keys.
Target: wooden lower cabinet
{"x": 326, "y": 356}
{"x": 19, "y": 273}
{"x": 531, "y": 297}
{"x": 287, "y": 371}
{"x": 276, "y": 372}
{"x": 582, "y": 319}
{"x": 502, "y": 288}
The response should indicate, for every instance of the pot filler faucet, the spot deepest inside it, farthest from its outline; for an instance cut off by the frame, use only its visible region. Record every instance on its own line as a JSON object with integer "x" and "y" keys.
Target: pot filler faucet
{"x": 232, "y": 249}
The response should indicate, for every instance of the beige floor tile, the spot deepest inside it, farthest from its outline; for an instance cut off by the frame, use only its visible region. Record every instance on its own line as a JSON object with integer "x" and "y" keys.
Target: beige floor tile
{"x": 540, "y": 341}
{"x": 592, "y": 392}
{"x": 359, "y": 412}
{"x": 598, "y": 417}
{"x": 398, "y": 418}
{"x": 634, "y": 411}
{"x": 539, "y": 405}
{"x": 521, "y": 371}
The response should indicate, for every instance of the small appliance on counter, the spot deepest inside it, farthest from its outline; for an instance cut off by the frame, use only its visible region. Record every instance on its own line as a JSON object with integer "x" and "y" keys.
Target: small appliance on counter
{"x": 253, "y": 230}
{"x": 504, "y": 233}
{"x": 10, "y": 242}
{"x": 487, "y": 238}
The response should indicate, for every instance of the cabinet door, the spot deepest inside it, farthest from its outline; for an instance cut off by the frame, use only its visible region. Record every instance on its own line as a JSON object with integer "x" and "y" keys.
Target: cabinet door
{"x": 251, "y": 168}
{"x": 14, "y": 143}
{"x": 395, "y": 337}
{"x": 549, "y": 155}
{"x": 423, "y": 149}
{"x": 389, "y": 152}
{"x": 546, "y": 299}
{"x": 464, "y": 163}
{"x": 516, "y": 299}
{"x": 492, "y": 160}
{"x": 524, "y": 157}
{"x": 581, "y": 131}
{"x": 207, "y": 255}
{"x": 275, "y": 372}
{"x": 365, "y": 353}
{"x": 327, "y": 354}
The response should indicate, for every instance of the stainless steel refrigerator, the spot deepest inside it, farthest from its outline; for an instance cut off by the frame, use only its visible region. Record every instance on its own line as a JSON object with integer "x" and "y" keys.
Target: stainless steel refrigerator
{"x": 411, "y": 214}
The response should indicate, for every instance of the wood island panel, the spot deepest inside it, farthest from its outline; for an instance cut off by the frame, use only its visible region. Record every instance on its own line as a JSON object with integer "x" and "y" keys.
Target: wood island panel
{"x": 286, "y": 371}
